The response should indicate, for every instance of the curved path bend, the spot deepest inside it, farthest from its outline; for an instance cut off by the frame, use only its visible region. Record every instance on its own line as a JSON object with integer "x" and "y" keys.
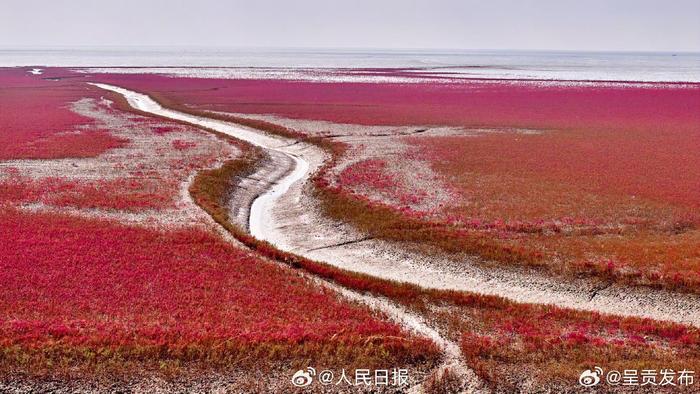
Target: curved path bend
{"x": 284, "y": 214}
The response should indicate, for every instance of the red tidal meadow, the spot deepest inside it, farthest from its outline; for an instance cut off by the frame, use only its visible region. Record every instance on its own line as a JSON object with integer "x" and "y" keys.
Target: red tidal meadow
{"x": 122, "y": 194}
{"x": 36, "y": 121}
{"x": 69, "y": 283}
{"x": 597, "y": 178}
{"x": 634, "y": 139}
{"x": 504, "y": 342}
{"x": 465, "y": 103}
{"x": 89, "y": 295}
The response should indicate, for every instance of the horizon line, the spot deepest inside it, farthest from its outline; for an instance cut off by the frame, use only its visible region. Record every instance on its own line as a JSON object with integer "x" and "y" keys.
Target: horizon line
{"x": 108, "y": 47}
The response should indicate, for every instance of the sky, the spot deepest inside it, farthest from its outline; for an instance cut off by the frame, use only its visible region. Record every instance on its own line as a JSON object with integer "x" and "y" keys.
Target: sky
{"x": 590, "y": 25}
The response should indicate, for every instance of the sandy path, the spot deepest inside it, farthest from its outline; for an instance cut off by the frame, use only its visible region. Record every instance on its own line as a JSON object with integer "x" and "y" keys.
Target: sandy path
{"x": 285, "y": 167}
{"x": 286, "y": 216}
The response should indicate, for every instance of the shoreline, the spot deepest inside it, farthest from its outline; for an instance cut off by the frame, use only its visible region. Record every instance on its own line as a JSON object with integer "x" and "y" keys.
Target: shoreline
{"x": 424, "y": 75}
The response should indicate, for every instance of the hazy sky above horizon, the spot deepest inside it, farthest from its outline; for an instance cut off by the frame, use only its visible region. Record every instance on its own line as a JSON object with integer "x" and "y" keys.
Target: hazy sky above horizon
{"x": 631, "y": 25}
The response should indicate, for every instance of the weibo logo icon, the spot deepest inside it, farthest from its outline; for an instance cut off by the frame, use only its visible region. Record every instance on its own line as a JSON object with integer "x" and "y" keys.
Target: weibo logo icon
{"x": 590, "y": 378}
{"x": 303, "y": 378}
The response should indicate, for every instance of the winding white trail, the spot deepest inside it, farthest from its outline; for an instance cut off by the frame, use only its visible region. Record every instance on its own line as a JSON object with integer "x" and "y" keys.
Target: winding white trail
{"x": 261, "y": 220}
{"x": 280, "y": 215}
{"x": 260, "y": 211}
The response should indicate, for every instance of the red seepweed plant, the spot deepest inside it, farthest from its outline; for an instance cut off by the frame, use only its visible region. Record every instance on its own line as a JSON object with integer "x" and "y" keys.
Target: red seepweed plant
{"x": 585, "y": 175}
{"x": 37, "y": 121}
{"x": 501, "y": 340}
{"x": 91, "y": 297}
{"x": 76, "y": 290}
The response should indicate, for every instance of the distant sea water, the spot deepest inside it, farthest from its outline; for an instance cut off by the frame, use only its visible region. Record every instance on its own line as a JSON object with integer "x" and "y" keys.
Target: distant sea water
{"x": 548, "y": 65}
